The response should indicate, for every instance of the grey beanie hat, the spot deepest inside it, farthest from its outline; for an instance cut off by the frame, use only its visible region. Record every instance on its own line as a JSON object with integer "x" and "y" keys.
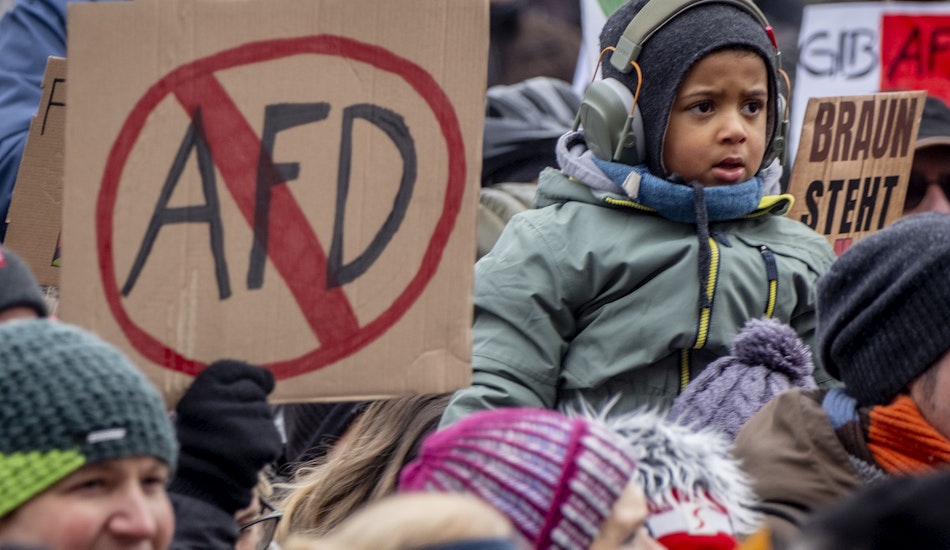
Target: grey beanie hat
{"x": 18, "y": 287}
{"x": 884, "y": 308}
{"x": 69, "y": 399}
{"x": 672, "y": 51}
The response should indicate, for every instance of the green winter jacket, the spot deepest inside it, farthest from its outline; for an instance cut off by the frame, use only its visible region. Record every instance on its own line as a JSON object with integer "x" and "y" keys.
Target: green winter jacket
{"x": 592, "y": 295}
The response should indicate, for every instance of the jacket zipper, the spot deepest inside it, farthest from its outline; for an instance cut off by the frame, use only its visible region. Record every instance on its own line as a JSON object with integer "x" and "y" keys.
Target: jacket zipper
{"x": 704, "y": 315}
{"x": 771, "y": 271}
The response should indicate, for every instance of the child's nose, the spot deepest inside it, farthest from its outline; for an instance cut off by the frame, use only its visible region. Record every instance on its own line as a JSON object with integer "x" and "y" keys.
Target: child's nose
{"x": 733, "y": 129}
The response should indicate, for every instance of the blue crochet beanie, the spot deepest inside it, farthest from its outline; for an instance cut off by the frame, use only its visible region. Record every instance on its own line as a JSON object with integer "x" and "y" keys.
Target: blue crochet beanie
{"x": 68, "y": 399}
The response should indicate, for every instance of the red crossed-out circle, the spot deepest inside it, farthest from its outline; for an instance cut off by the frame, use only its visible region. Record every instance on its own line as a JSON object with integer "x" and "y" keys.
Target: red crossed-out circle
{"x": 236, "y": 149}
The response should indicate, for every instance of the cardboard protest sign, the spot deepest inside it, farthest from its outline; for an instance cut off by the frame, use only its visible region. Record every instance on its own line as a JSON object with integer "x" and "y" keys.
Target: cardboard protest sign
{"x": 915, "y": 53}
{"x": 855, "y": 48}
{"x": 35, "y": 216}
{"x": 854, "y": 162}
{"x": 292, "y": 183}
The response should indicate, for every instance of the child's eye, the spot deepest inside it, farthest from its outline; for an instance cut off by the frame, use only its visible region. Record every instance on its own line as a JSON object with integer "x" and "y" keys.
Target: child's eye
{"x": 703, "y": 107}
{"x": 753, "y": 107}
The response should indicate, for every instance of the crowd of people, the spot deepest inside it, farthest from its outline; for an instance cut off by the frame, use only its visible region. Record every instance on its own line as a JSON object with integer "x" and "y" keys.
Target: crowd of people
{"x": 661, "y": 357}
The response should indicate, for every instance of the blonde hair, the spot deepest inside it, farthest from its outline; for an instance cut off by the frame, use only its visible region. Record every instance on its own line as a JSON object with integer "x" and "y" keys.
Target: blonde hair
{"x": 362, "y": 467}
{"x": 407, "y": 521}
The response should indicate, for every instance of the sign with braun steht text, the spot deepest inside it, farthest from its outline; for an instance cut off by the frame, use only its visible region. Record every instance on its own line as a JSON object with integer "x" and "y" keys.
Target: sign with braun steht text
{"x": 853, "y": 162}
{"x": 290, "y": 183}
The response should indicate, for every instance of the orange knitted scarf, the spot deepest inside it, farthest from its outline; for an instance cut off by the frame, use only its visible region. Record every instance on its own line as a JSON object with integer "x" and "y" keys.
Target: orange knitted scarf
{"x": 902, "y": 442}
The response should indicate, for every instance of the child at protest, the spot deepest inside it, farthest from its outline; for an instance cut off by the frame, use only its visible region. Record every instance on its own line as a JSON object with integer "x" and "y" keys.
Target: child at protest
{"x": 632, "y": 275}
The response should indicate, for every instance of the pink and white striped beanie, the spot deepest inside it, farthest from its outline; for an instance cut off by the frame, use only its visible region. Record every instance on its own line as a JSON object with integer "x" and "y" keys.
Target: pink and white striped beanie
{"x": 556, "y": 478}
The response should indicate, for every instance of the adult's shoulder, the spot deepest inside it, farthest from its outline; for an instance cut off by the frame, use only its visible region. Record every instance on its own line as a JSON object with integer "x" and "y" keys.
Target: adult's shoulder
{"x": 794, "y": 456}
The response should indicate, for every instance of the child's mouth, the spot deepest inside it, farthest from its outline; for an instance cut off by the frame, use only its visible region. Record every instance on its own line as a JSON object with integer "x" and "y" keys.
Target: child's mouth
{"x": 729, "y": 170}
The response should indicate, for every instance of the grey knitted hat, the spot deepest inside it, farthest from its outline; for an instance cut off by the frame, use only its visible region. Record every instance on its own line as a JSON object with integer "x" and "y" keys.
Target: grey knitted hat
{"x": 68, "y": 399}
{"x": 670, "y": 53}
{"x": 884, "y": 308}
{"x": 18, "y": 287}
{"x": 766, "y": 359}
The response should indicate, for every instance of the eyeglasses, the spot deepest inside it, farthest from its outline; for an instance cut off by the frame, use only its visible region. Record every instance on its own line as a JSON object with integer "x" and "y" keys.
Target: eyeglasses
{"x": 262, "y": 528}
{"x": 917, "y": 188}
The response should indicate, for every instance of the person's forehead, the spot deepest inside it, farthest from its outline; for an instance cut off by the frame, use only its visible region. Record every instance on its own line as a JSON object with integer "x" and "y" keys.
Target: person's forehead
{"x": 129, "y": 463}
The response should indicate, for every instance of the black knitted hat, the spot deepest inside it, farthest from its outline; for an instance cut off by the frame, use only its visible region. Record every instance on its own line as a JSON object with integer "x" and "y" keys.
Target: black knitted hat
{"x": 884, "y": 308}
{"x": 18, "y": 287}
{"x": 68, "y": 399}
{"x": 672, "y": 51}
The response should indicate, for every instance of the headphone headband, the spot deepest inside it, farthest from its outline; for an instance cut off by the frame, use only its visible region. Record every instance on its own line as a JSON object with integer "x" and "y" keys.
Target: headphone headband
{"x": 657, "y": 13}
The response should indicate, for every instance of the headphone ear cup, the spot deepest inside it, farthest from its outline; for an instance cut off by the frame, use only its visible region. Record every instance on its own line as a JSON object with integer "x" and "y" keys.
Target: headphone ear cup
{"x": 603, "y": 114}
{"x": 776, "y": 148}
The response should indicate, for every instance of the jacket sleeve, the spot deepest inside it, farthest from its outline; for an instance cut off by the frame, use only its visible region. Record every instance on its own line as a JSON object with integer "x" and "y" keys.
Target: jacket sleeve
{"x": 790, "y": 450}
{"x": 29, "y": 33}
{"x": 523, "y": 323}
{"x": 804, "y": 319}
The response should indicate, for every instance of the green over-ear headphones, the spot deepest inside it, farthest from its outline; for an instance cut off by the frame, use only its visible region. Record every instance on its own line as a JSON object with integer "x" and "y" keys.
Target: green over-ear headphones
{"x": 613, "y": 126}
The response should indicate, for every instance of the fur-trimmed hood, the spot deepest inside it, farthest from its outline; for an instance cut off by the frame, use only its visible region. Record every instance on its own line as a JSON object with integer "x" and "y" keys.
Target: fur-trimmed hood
{"x": 677, "y": 465}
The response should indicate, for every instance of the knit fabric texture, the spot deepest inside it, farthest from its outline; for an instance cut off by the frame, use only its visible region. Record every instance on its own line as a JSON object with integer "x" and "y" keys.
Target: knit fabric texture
{"x": 903, "y": 442}
{"x": 884, "y": 308}
{"x": 766, "y": 358}
{"x": 673, "y": 50}
{"x": 69, "y": 399}
{"x": 18, "y": 287}
{"x": 555, "y": 478}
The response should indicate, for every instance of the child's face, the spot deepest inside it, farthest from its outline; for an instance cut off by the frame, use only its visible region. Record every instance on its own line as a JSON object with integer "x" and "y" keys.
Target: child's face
{"x": 716, "y": 131}
{"x": 118, "y": 503}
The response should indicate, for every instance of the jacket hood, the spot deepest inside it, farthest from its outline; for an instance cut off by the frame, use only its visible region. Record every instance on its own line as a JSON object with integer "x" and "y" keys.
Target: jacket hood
{"x": 677, "y": 465}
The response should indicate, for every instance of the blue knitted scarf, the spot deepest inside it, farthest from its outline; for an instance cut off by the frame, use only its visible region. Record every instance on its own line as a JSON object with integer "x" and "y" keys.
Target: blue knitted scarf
{"x": 676, "y": 201}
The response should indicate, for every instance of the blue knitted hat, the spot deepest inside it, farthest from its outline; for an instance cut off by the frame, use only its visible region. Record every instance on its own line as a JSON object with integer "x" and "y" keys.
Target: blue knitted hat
{"x": 68, "y": 399}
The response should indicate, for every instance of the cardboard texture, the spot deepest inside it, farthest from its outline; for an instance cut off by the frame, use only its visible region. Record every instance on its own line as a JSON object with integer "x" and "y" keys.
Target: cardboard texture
{"x": 853, "y": 163}
{"x": 293, "y": 183}
{"x": 35, "y": 216}
{"x": 854, "y": 48}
